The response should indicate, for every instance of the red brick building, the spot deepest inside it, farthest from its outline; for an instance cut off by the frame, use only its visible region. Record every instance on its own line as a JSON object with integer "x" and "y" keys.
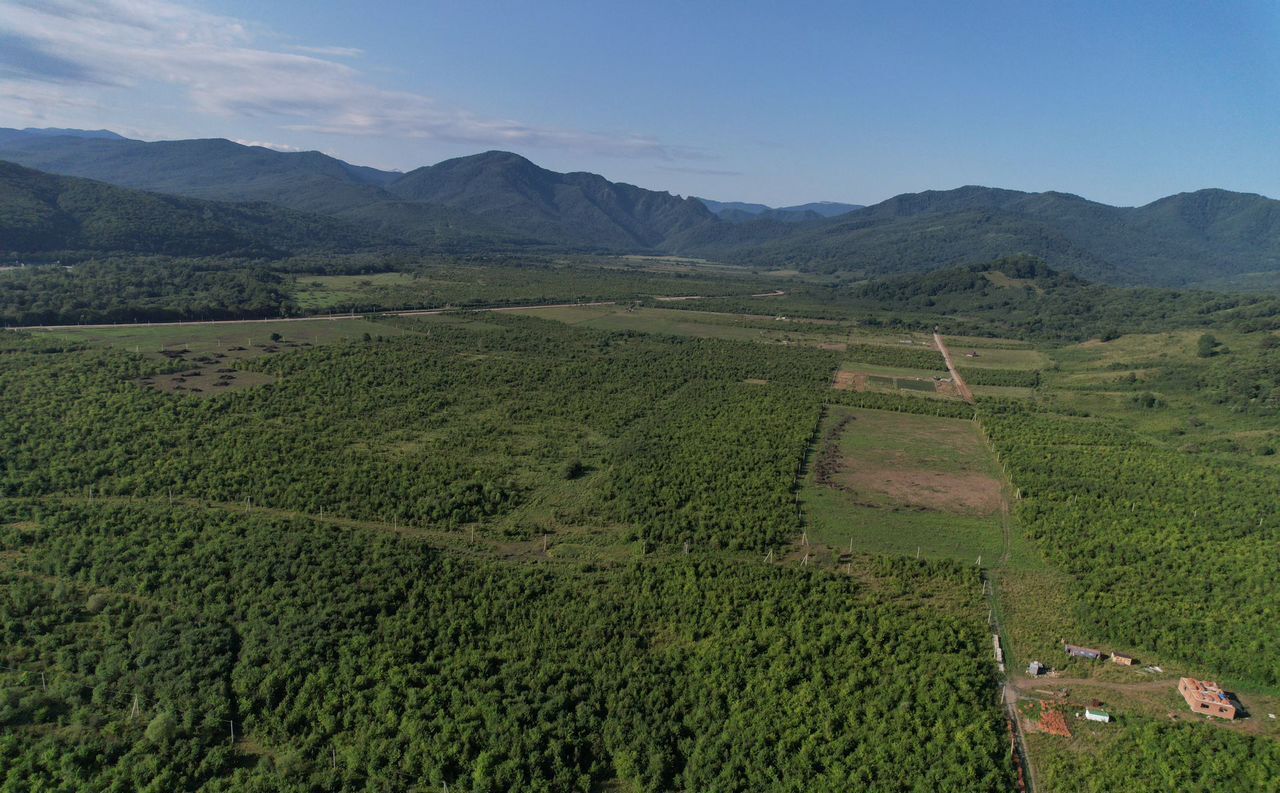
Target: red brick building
{"x": 1206, "y": 697}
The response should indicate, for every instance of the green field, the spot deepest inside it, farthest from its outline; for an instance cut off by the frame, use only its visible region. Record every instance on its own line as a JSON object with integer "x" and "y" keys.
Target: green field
{"x": 993, "y": 358}
{"x": 214, "y": 337}
{"x": 904, "y": 484}
{"x": 699, "y": 324}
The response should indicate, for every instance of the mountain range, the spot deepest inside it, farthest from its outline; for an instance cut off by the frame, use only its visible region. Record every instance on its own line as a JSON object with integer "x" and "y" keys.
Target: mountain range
{"x": 44, "y": 213}
{"x": 500, "y": 200}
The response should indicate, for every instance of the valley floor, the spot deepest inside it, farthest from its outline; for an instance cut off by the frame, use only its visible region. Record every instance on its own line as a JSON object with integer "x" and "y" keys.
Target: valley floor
{"x": 617, "y": 545}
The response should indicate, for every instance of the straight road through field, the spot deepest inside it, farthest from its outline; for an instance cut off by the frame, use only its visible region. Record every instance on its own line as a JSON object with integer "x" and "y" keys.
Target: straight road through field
{"x": 962, "y": 388}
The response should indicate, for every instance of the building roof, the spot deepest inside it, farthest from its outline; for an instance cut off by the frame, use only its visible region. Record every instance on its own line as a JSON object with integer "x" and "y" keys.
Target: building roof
{"x": 1204, "y": 691}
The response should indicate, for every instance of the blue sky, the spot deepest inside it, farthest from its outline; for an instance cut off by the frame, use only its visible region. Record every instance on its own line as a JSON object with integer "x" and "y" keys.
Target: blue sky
{"x": 1118, "y": 102}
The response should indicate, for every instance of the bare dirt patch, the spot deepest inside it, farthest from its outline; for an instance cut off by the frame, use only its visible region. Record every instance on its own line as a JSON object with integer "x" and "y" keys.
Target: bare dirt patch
{"x": 972, "y": 493}
{"x": 838, "y": 346}
{"x": 850, "y": 381}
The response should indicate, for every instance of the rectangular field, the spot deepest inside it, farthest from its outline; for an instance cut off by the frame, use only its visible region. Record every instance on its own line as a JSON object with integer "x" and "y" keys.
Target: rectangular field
{"x": 901, "y": 483}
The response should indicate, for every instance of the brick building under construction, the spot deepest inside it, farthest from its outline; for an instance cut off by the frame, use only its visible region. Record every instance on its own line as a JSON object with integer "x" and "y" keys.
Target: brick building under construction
{"x": 1207, "y": 698}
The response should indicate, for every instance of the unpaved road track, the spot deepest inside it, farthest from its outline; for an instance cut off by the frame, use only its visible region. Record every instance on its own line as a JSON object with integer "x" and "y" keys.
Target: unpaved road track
{"x": 310, "y": 318}
{"x": 335, "y": 317}
{"x": 962, "y": 387}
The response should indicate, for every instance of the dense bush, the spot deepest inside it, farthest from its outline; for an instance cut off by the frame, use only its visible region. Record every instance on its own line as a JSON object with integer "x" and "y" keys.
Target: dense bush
{"x": 351, "y": 660}
{"x": 1162, "y": 543}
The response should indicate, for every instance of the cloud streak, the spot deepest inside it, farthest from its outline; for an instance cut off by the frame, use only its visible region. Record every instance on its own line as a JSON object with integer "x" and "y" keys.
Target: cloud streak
{"x": 64, "y": 53}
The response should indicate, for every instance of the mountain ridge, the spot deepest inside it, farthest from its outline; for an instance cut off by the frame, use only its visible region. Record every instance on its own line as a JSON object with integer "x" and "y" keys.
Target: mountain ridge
{"x": 44, "y": 213}
{"x": 502, "y": 201}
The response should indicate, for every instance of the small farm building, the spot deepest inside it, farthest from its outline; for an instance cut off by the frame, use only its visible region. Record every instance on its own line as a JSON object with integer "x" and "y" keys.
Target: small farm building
{"x": 1206, "y": 697}
{"x": 1083, "y": 652}
{"x": 1097, "y": 715}
{"x": 1122, "y": 659}
{"x": 1035, "y": 669}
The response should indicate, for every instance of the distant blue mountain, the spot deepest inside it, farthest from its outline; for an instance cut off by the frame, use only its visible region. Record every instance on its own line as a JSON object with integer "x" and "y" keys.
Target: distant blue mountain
{"x": 96, "y": 134}
{"x": 827, "y": 209}
{"x": 739, "y": 212}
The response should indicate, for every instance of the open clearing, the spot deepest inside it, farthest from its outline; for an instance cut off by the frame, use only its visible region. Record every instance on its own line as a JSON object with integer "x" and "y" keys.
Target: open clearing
{"x": 701, "y": 324}
{"x": 900, "y": 483}
{"x": 211, "y": 338}
{"x": 204, "y": 356}
{"x": 892, "y": 379}
{"x": 990, "y": 358}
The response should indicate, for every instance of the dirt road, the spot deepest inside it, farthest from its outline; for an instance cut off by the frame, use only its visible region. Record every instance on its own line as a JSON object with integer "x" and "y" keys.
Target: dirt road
{"x": 310, "y": 318}
{"x": 334, "y": 317}
{"x": 962, "y": 388}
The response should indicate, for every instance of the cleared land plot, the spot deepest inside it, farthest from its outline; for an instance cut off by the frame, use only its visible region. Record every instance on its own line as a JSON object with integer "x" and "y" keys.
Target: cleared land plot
{"x": 989, "y": 358}
{"x": 200, "y": 339}
{"x": 854, "y": 376}
{"x": 207, "y": 354}
{"x": 897, "y": 482}
{"x": 700, "y": 324}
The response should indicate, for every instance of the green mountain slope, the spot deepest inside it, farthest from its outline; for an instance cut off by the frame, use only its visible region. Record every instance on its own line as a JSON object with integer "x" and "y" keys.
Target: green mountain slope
{"x": 225, "y": 171}
{"x": 581, "y": 209}
{"x": 41, "y": 212}
{"x": 1176, "y": 241}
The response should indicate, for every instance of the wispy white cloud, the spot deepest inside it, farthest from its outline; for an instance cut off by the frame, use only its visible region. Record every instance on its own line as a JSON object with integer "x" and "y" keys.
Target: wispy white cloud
{"x": 329, "y": 52}
{"x": 71, "y": 49}
{"x": 41, "y": 103}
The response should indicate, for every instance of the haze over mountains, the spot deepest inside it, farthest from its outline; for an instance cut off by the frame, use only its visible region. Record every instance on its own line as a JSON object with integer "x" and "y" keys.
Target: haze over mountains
{"x": 499, "y": 200}
{"x": 739, "y": 212}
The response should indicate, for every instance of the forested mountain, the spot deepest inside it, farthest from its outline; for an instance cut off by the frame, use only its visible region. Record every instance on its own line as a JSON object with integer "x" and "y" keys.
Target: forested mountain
{"x": 42, "y": 213}
{"x": 582, "y": 209}
{"x": 502, "y": 200}
{"x": 827, "y": 209}
{"x": 225, "y": 171}
{"x": 1179, "y": 240}
{"x": 492, "y": 199}
{"x": 740, "y": 210}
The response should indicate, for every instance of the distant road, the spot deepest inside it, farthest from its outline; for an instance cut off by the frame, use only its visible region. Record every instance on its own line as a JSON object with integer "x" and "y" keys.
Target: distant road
{"x": 334, "y": 317}
{"x": 962, "y": 387}
{"x": 309, "y": 318}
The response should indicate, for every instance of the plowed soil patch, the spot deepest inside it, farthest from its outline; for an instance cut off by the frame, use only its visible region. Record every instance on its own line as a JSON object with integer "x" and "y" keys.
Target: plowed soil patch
{"x": 850, "y": 381}
{"x": 972, "y": 493}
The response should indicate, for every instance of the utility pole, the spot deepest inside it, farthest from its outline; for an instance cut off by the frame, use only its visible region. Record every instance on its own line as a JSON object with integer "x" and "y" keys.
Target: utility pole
{"x": 232, "y": 722}
{"x": 133, "y": 712}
